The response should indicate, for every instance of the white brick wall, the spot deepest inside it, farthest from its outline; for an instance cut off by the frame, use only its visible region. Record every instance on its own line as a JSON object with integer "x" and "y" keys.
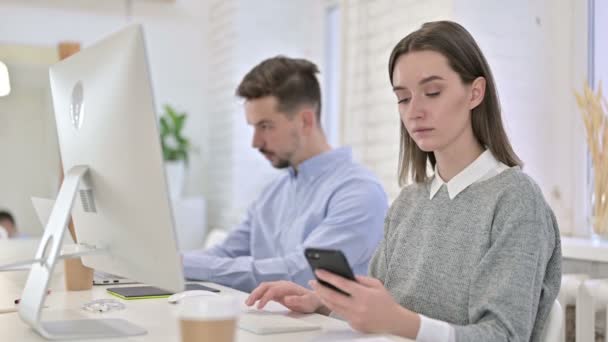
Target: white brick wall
{"x": 531, "y": 49}
{"x": 370, "y": 121}
{"x": 243, "y": 33}
{"x": 221, "y": 106}
{"x": 535, "y": 67}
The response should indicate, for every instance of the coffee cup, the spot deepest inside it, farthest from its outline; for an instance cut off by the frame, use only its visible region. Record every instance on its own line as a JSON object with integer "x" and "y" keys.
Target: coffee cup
{"x": 209, "y": 318}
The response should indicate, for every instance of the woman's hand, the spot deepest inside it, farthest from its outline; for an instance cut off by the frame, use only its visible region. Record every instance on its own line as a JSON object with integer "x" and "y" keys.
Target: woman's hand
{"x": 370, "y": 308}
{"x": 292, "y": 296}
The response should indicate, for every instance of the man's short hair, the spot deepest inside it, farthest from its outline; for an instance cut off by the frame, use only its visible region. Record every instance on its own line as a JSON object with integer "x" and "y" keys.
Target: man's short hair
{"x": 5, "y": 215}
{"x": 292, "y": 81}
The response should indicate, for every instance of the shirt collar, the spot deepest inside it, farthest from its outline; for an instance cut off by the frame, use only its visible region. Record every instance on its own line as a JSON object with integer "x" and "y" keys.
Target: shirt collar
{"x": 314, "y": 166}
{"x": 472, "y": 173}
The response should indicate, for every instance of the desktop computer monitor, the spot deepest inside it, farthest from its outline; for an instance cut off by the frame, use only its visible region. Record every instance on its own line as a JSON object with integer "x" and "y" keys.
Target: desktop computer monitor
{"x": 114, "y": 177}
{"x": 106, "y": 120}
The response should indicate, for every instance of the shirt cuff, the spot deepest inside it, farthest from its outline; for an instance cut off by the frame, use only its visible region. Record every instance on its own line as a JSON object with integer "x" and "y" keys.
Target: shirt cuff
{"x": 433, "y": 330}
{"x": 195, "y": 265}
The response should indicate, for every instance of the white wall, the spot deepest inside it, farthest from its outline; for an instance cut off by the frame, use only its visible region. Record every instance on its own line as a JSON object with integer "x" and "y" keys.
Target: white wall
{"x": 199, "y": 51}
{"x": 601, "y": 50}
{"x": 242, "y": 34}
{"x": 533, "y": 66}
{"x": 531, "y": 48}
{"x": 370, "y": 121}
{"x": 176, "y": 40}
{"x": 30, "y": 162}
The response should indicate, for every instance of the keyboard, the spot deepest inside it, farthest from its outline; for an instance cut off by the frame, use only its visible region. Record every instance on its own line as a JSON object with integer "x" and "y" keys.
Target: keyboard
{"x": 265, "y": 323}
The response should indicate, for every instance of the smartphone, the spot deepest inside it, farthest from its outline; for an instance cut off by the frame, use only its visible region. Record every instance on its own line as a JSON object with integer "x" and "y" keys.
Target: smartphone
{"x": 330, "y": 260}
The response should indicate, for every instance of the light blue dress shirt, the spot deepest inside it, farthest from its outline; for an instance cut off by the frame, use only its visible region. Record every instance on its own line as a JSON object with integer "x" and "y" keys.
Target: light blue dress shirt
{"x": 331, "y": 202}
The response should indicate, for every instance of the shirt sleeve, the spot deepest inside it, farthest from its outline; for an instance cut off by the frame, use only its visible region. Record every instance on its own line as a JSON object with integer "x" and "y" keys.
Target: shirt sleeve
{"x": 238, "y": 241}
{"x": 433, "y": 330}
{"x": 236, "y": 244}
{"x": 353, "y": 224}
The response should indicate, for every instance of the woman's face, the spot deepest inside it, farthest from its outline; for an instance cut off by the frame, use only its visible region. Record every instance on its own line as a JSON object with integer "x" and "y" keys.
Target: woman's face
{"x": 434, "y": 104}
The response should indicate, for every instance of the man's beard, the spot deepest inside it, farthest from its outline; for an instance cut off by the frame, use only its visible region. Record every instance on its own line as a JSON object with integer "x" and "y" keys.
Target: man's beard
{"x": 279, "y": 163}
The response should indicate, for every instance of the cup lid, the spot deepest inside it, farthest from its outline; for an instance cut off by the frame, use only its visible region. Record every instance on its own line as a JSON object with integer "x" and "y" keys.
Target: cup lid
{"x": 209, "y": 307}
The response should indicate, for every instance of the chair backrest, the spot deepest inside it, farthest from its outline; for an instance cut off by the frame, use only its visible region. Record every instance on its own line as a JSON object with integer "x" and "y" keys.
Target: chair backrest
{"x": 553, "y": 327}
{"x": 214, "y": 237}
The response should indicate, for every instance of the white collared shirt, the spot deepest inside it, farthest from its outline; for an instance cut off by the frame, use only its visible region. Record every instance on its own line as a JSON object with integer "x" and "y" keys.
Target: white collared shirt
{"x": 484, "y": 167}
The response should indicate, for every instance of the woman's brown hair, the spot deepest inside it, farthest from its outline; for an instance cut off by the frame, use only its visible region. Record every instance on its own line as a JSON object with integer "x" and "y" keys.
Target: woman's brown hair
{"x": 464, "y": 56}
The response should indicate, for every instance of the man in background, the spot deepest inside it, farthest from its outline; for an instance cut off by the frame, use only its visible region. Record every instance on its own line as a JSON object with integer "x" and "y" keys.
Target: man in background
{"x": 7, "y": 222}
{"x": 323, "y": 200}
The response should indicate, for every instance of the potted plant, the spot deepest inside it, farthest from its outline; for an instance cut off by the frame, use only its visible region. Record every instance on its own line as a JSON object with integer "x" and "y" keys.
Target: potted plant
{"x": 176, "y": 148}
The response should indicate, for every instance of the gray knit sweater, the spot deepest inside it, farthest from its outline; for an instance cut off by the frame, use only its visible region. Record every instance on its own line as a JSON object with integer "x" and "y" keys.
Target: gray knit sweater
{"x": 488, "y": 261}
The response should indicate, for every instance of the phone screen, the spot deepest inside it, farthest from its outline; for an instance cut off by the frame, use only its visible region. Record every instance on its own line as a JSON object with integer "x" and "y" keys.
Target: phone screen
{"x": 329, "y": 260}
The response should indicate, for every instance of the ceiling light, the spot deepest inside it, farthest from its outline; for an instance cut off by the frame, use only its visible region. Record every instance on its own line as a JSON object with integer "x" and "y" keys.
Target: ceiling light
{"x": 5, "y": 85}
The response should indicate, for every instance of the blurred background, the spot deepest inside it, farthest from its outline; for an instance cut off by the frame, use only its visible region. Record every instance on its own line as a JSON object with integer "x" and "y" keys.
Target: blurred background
{"x": 540, "y": 51}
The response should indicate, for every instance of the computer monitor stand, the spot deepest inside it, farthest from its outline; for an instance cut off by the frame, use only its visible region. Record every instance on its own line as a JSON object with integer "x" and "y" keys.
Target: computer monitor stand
{"x": 47, "y": 255}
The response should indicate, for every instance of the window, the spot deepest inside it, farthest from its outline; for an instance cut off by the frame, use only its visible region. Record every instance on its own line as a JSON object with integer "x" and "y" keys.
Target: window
{"x": 331, "y": 74}
{"x": 598, "y": 45}
{"x": 597, "y": 69}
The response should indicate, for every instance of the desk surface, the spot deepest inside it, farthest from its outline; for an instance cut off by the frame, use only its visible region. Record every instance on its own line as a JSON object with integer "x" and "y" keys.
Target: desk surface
{"x": 155, "y": 315}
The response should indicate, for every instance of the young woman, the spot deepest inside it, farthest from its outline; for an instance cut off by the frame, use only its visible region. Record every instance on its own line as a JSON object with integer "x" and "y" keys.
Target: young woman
{"x": 471, "y": 253}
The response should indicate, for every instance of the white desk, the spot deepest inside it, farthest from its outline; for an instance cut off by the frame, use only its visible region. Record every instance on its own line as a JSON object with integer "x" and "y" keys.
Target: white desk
{"x": 155, "y": 315}
{"x": 584, "y": 249}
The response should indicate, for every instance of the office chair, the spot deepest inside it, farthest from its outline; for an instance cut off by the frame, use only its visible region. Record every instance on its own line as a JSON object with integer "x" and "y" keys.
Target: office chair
{"x": 555, "y": 322}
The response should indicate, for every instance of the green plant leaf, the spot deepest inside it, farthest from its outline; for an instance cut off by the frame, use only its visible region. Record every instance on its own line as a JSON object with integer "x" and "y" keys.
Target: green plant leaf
{"x": 179, "y": 123}
{"x": 164, "y": 126}
{"x": 175, "y": 146}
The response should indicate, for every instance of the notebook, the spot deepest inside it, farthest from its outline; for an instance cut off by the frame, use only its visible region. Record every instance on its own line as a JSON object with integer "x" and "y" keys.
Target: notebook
{"x": 145, "y": 292}
{"x": 266, "y": 323}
